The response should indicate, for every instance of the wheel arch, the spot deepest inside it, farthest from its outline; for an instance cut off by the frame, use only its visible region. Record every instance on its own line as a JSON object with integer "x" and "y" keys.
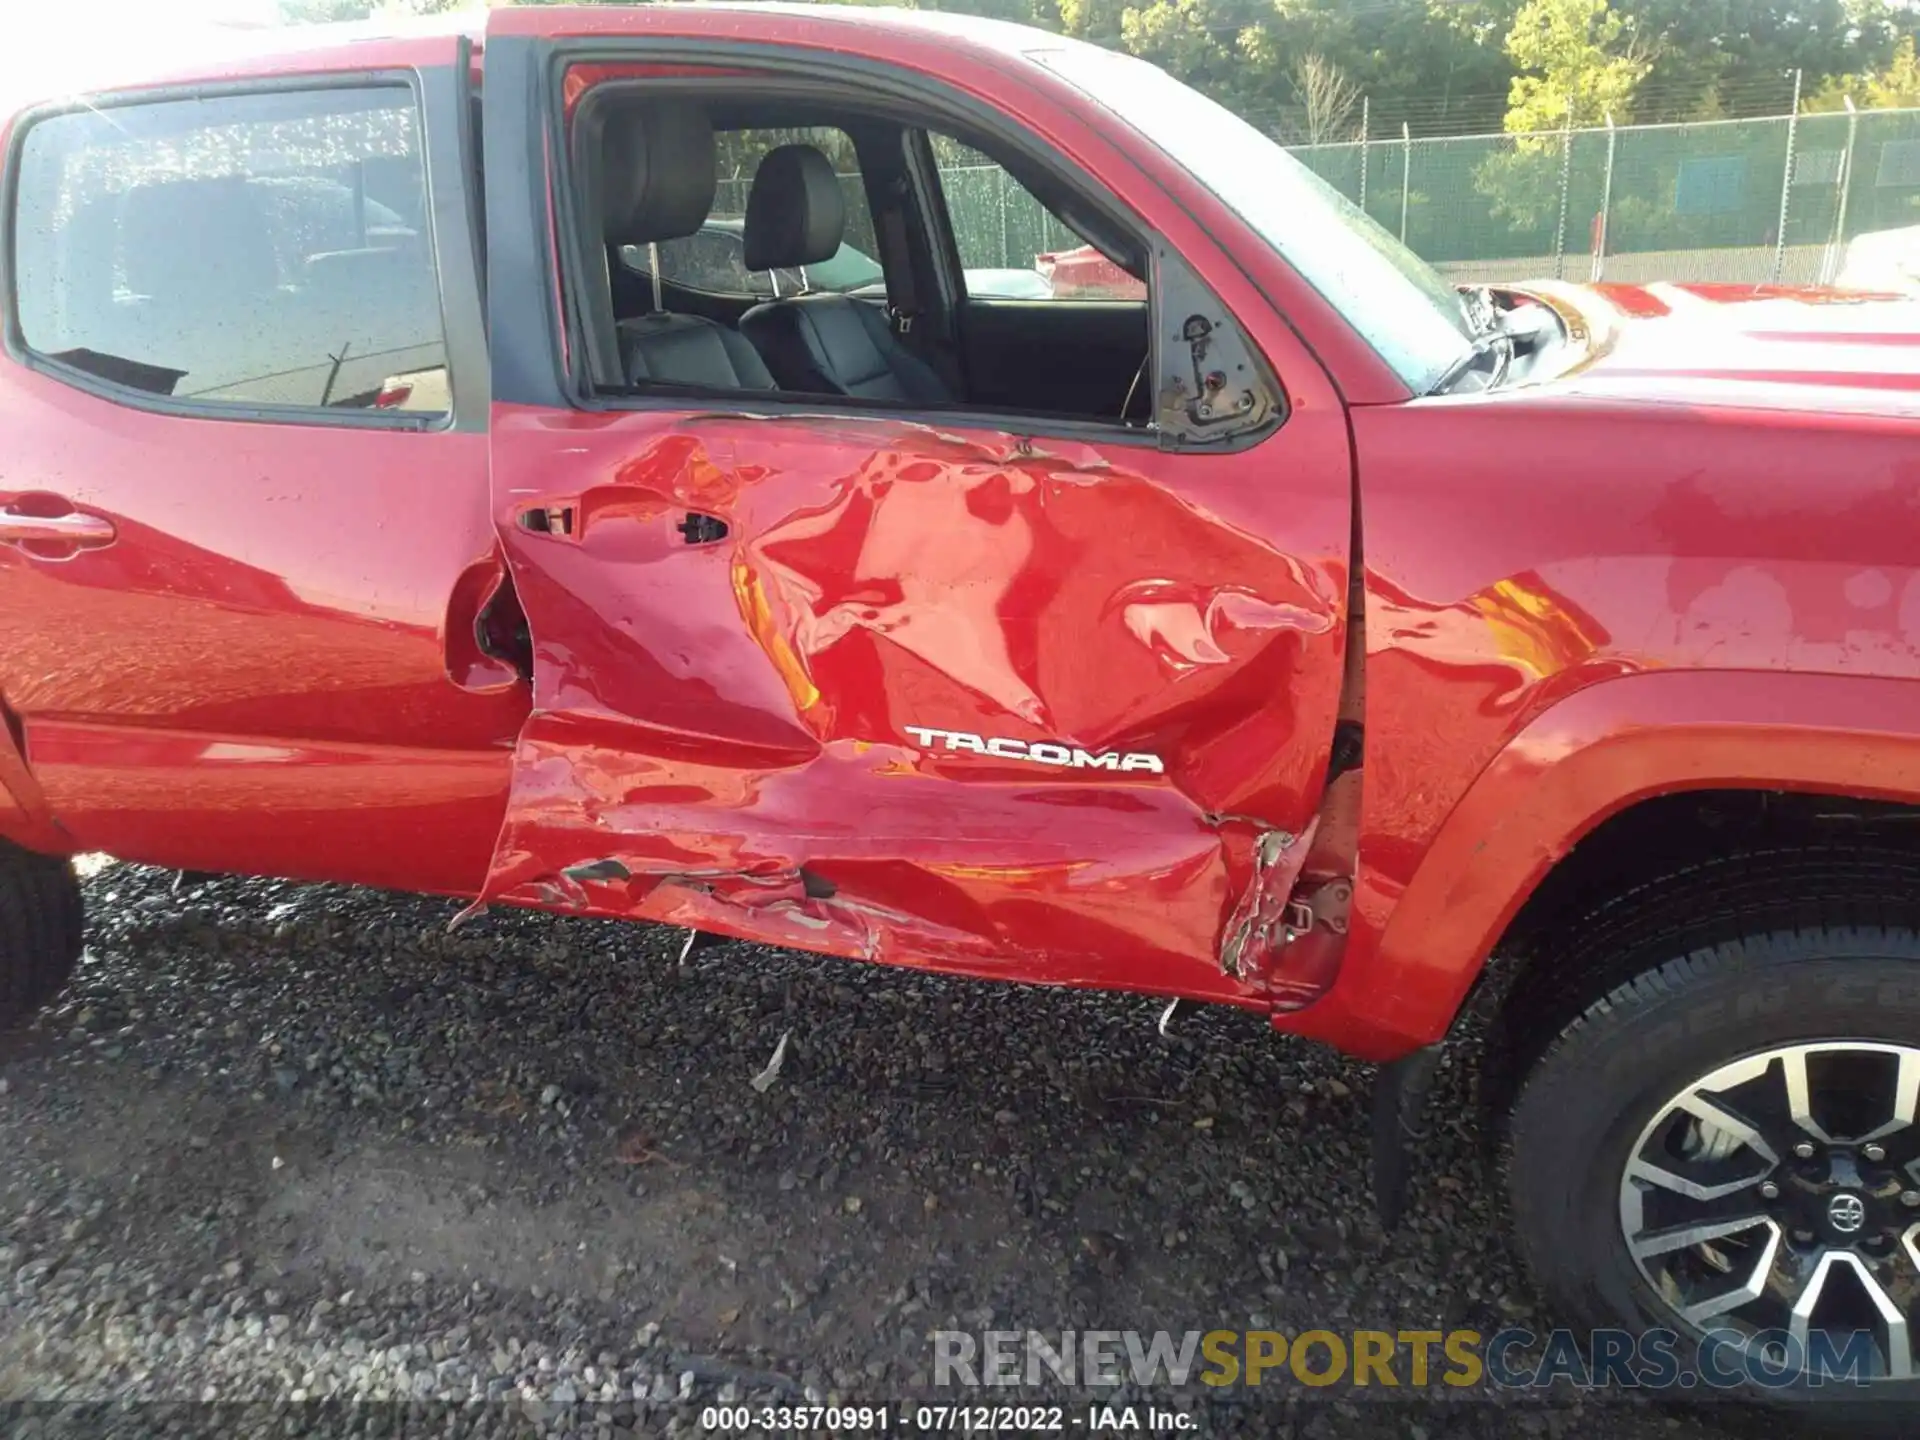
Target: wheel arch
{"x": 1592, "y": 762}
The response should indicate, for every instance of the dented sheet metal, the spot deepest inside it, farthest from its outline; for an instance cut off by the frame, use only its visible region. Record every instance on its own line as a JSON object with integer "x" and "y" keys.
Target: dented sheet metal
{"x": 955, "y": 699}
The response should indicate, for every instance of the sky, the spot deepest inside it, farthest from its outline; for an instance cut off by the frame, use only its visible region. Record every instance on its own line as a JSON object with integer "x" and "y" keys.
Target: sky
{"x": 44, "y": 40}
{"x": 96, "y": 16}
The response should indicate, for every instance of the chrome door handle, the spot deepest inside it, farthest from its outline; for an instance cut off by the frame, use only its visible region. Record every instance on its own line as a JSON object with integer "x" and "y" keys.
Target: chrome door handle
{"x": 76, "y": 528}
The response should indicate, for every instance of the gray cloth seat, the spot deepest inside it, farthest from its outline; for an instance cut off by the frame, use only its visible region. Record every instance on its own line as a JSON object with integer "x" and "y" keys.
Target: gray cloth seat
{"x": 820, "y": 344}
{"x": 656, "y": 181}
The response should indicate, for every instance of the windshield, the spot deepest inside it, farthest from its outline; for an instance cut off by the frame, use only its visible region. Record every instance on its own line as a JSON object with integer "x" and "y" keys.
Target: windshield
{"x": 1397, "y": 302}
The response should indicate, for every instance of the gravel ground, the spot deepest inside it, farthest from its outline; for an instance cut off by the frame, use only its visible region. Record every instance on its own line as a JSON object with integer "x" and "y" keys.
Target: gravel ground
{"x": 288, "y": 1156}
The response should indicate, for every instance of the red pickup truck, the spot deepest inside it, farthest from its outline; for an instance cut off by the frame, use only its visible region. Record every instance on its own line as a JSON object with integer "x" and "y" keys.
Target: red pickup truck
{"x": 1298, "y": 634}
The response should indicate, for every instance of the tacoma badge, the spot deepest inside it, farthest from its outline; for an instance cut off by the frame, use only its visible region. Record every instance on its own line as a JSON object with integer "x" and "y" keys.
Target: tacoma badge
{"x": 1041, "y": 752}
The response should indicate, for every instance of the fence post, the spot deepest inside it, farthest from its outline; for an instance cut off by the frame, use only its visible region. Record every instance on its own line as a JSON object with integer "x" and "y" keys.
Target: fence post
{"x": 1006, "y": 240}
{"x": 1406, "y": 174}
{"x": 1786, "y": 185}
{"x": 1606, "y": 205}
{"x": 1830, "y": 266}
{"x": 1566, "y": 181}
{"x": 1366, "y": 129}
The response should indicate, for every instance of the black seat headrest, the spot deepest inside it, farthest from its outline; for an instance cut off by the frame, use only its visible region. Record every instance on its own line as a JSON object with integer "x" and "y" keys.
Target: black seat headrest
{"x": 657, "y": 173}
{"x": 796, "y": 214}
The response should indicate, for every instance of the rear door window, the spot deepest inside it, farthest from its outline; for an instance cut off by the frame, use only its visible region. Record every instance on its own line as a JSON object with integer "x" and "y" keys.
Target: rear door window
{"x": 255, "y": 250}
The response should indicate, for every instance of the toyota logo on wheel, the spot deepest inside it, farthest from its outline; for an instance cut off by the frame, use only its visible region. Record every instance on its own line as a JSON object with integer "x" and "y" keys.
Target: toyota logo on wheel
{"x": 1846, "y": 1213}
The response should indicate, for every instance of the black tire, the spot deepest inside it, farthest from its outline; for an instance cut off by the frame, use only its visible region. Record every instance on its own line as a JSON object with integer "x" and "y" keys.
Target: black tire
{"x": 1585, "y": 1104}
{"x": 40, "y": 930}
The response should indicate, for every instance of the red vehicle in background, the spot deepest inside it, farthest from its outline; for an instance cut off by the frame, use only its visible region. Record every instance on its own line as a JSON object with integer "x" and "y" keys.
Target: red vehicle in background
{"x": 1083, "y": 273}
{"x": 1257, "y": 620}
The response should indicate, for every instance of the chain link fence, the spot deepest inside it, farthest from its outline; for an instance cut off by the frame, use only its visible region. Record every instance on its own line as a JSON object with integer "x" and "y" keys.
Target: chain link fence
{"x": 1755, "y": 201}
{"x": 1771, "y": 200}
{"x": 996, "y": 223}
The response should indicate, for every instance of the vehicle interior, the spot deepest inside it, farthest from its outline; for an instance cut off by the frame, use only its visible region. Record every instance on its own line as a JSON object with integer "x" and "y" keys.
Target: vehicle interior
{"x": 750, "y": 210}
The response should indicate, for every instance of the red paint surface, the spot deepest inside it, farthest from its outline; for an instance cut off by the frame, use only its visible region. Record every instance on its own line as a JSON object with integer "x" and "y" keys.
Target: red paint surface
{"x": 713, "y": 718}
{"x": 271, "y": 667}
{"x": 277, "y": 599}
{"x": 1430, "y": 908}
{"x": 1672, "y": 511}
{"x": 1692, "y": 560}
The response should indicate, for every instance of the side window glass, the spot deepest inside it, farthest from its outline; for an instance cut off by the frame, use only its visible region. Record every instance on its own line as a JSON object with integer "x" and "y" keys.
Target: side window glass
{"x": 714, "y": 258}
{"x": 1011, "y": 246}
{"x": 257, "y": 250}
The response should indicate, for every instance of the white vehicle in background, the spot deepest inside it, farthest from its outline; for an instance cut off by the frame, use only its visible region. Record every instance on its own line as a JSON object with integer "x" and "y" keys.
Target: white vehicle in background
{"x": 1884, "y": 260}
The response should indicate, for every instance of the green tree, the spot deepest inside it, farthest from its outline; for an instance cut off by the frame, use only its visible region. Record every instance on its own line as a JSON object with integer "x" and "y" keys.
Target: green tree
{"x": 1713, "y": 58}
{"x": 1095, "y": 20}
{"x": 1414, "y": 60}
{"x": 1450, "y": 66}
{"x": 1430, "y": 63}
{"x": 1896, "y": 86}
{"x": 1578, "y": 65}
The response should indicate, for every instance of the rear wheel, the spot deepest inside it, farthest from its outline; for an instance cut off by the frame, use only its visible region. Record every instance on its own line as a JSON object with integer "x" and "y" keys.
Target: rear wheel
{"x": 1726, "y": 1146}
{"x": 40, "y": 921}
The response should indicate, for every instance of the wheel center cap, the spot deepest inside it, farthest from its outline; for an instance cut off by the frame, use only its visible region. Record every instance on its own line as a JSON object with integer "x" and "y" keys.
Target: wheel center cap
{"x": 1846, "y": 1213}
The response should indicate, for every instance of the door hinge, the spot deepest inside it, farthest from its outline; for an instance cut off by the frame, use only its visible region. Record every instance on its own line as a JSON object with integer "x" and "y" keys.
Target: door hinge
{"x": 1327, "y": 907}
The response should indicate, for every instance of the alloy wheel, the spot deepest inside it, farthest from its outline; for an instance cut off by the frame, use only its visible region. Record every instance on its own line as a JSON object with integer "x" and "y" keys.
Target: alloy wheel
{"x": 1778, "y": 1198}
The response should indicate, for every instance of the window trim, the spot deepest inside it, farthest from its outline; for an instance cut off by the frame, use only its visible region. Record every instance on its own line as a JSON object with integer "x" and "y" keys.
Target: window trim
{"x": 556, "y": 232}
{"x": 456, "y": 183}
{"x": 458, "y": 332}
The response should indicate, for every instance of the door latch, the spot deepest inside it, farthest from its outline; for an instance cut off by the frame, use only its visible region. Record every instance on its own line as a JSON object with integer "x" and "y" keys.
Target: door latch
{"x": 548, "y": 520}
{"x": 702, "y": 529}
